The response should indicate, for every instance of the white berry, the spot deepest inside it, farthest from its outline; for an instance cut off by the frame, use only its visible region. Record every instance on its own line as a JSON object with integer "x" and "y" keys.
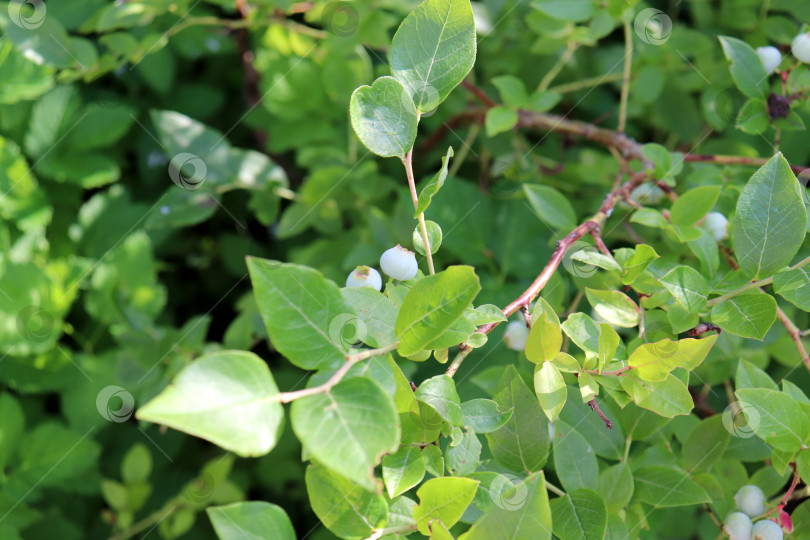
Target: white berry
{"x": 767, "y": 530}
{"x": 647, "y": 194}
{"x": 770, "y": 56}
{"x": 516, "y": 335}
{"x": 399, "y": 263}
{"x": 364, "y": 276}
{"x": 738, "y": 526}
{"x": 717, "y": 224}
{"x": 801, "y": 47}
{"x": 750, "y": 500}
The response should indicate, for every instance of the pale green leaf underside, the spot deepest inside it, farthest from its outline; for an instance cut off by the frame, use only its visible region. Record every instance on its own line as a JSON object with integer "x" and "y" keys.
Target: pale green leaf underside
{"x": 384, "y": 117}
{"x": 226, "y": 397}
{"x": 433, "y": 50}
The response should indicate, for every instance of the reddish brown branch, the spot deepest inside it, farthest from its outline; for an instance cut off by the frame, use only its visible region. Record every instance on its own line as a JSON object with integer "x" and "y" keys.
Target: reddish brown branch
{"x": 795, "y": 334}
{"x": 595, "y": 407}
{"x": 480, "y": 94}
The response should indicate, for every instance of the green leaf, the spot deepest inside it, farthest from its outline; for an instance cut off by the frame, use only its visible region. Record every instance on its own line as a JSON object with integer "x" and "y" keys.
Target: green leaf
{"x": 433, "y": 50}
{"x": 252, "y": 519}
{"x": 522, "y": 444}
{"x": 668, "y": 398}
{"x": 660, "y": 157}
{"x": 583, "y": 331}
{"x": 439, "y": 393}
{"x": 687, "y": 286}
{"x": 349, "y": 428}
{"x": 609, "y": 342}
{"x": 654, "y": 361}
{"x": 771, "y": 221}
{"x": 499, "y": 120}
{"x": 551, "y": 206}
{"x": 432, "y": 305}
{"x": 638, "y": 262}
{"x": 746, "y": 68}
{"x": 345, "y": 508}
{"x": 594, "y": 258}
{"x": 403, "y": 469}
{"x": 750, "y": 376}
{"x": 566, "y": 10}
{"x": 794, "y": 286}
{"x": 434, "y": 233}
{"x": 484, "y": 314}
{"x": 512, "y": 90}
{"x": 705, "y": 444}
{"x": 483, "y": 415}
{"x": 12, "y": 425}
{"x": 462, "y": 459}
{"x": 746, "y": 315}
{"x": 522, "y": 511}
{"x": 544, "y": 341}
{"x": 664, "y": 487}
{"x": 444, "y": 499}
{"x": 781, "y": 422}
{"x": 615, "y": 307}
{"x": 304, "y": 313}
{"x": 574, "y": 459}
{"x": 550, "y": 389}
{"x": 693, "y": 205}
{"x": 376, "y": 313}
{"x": 616, "y": 485}
{"x": 384, "y": 117}
{"x": 433, "y": 187}
{"x": 579, "y": 515}
{"x": 137, "y": 464}
{"x": 226, "y": 397}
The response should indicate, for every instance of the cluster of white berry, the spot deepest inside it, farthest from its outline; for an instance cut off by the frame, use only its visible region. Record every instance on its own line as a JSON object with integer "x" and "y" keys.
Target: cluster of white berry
{"x": 751, "y": 502}
{"x": 771, "y": 57}
{"x": 397, "y": 262}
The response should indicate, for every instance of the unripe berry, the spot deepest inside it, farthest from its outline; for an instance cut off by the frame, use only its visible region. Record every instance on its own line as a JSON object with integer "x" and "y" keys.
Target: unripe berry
{"x": 516, "y": 335}
{"x": 738, "y": 526}
{"x": 364, "y": 276}
{"x": 770, "y": 56}
{"x": 767, "y": 530}
{"x": 801, "y": 47}
{"x": 750, "y": 500}
{"x": 717, "y": 224}
{"x": 399, "y": 263}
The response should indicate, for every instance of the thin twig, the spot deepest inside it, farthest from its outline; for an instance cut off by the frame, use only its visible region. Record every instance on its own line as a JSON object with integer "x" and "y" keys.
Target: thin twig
{"x": 753, "y": 285}
{"x": 595, "y": 407}
{"x": 286, "y": 397}
{"x": 408, "y": 162}
{"x": 558, "y": 66}
{"x": 795, "y": 334}
{"x": 735, "y": 160}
